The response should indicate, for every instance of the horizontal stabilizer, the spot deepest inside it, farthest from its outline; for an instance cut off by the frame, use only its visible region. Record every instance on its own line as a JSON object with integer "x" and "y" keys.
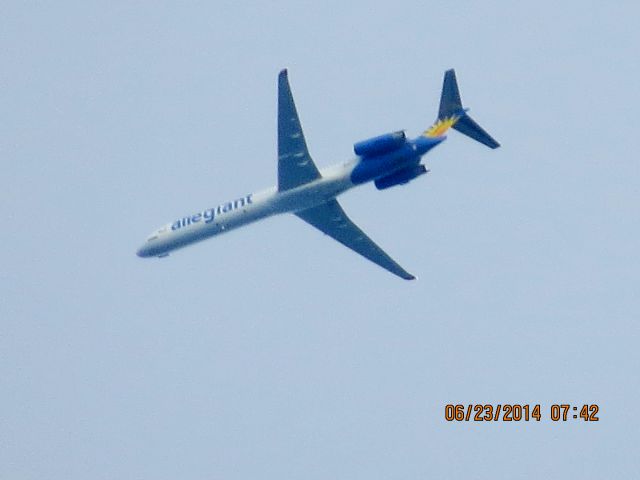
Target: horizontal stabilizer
{"x": 470, "y": 128}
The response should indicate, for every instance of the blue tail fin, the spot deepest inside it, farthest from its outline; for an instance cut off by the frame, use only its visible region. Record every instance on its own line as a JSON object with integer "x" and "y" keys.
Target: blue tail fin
{"x": 452, "y": 112}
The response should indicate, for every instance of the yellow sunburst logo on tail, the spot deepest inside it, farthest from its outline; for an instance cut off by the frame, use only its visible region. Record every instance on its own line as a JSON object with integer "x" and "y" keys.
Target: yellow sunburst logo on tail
{"x": 441, "y": 126}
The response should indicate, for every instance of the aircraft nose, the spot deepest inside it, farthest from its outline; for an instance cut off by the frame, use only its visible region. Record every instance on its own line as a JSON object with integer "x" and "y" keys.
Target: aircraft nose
{"x": 142, "y": 252}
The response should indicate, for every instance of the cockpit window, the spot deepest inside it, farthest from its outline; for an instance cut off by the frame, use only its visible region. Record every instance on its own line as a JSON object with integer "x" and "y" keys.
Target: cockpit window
{"x": 158, "y": 233}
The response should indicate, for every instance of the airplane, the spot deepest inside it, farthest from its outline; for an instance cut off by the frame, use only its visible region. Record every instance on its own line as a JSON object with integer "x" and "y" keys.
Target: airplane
{"x": 310, "y": 194}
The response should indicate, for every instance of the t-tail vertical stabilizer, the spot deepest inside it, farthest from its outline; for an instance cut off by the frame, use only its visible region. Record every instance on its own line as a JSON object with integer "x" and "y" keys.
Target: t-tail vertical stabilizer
{"x": 452, "y": 115}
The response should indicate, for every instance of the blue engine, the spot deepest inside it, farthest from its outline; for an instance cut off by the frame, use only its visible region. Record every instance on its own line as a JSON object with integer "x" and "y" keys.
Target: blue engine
{"x": 401, "y": 177}
{"x": 380, "y": 145}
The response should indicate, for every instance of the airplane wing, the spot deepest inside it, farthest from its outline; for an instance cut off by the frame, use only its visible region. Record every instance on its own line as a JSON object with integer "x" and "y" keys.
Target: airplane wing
{"x": 295, "y": 166}
{"x": 331, "y": 219}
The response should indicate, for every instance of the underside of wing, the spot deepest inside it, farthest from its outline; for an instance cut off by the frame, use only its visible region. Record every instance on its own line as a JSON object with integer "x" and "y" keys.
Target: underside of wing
{"x": 295, "y": 166}
{"x": 331, "y": 219}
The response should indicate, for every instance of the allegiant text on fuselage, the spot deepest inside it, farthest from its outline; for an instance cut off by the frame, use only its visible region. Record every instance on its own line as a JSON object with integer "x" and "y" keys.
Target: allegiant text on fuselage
{"x": 209, "y": 215}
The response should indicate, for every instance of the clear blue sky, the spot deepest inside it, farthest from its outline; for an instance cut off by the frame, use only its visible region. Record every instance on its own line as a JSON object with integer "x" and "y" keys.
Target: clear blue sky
{"x": 273, "y": 352}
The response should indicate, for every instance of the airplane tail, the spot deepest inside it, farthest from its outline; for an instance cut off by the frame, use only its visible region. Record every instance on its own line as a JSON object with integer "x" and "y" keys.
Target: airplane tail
{"x": 452, "y": 115}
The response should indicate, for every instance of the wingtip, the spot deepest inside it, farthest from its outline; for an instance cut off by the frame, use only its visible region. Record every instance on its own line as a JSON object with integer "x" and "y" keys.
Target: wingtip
{"x": 283, "y": 72}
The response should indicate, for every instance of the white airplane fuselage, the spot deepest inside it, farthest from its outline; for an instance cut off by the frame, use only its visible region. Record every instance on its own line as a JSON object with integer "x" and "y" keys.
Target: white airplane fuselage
{"x": 309, "y": 193}
{"x": 227, "y": 216}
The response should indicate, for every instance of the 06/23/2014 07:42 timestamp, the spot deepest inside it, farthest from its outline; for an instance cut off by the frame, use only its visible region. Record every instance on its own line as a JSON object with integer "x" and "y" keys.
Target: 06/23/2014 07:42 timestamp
{"x": 520, "y": 412}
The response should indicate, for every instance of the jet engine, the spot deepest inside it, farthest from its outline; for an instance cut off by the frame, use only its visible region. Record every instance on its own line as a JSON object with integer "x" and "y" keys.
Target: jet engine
{"x": 400, "y": 177}
{"x": 380, "y": 145}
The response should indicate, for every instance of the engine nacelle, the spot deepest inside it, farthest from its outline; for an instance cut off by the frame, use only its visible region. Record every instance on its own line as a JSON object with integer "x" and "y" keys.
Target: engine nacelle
{"x": 380, "y": 145}
{"x": 401, "y": 177}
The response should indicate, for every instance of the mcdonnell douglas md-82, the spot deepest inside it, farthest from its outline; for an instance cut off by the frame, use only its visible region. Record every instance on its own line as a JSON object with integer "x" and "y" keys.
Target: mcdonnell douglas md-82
{"x": 310, "y": 194}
